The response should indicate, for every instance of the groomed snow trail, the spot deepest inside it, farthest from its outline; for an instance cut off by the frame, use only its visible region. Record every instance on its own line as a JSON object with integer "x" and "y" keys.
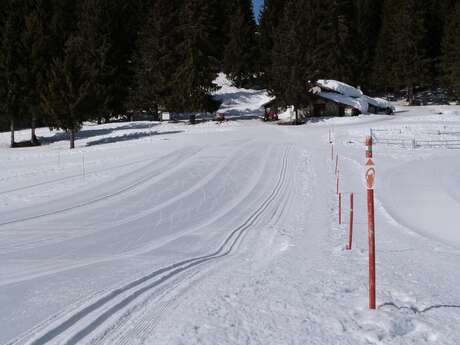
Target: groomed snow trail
{"x": 227, "y": 234}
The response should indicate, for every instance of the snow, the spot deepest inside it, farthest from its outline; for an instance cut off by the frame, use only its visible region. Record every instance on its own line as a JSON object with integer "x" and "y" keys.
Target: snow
{"x": 360, "y": 103}
{"x": 162, "y": 233}
{"x": 238, "y": 101}
{"x": 379, "y": 103}
{"x": 346, "y": 94}
{"x": 339, "y": 87}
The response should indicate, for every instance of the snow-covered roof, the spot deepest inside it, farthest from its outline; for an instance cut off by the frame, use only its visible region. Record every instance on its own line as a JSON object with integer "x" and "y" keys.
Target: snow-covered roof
{"x": 339, "y": 92}
{"x": 339, "y": 87}
{"x": 358, "y": 103}
{"x": 379, "y": 103}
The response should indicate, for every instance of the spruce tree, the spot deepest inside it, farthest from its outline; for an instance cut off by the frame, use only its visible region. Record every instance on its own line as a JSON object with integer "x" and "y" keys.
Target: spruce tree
{"x": 198, "y": 65}
{"x": 36, "y": 41}
{"x": 75, "y": 89}
{"x": 157, "y": 57}
{"x": 335, "y": 40}
{"x": 296, "y": 59}
{"x": 367, "y": 20}
{"x": 450, "y": 65}
{"x": 271, "y": 15}
{"x": 12, "y": 64}
{"x": 401, "y": 59}
{"x": 240, "y": 58}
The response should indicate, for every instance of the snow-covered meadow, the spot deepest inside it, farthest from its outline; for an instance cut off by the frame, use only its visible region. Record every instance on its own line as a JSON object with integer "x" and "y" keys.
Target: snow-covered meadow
{"x": 167, "y": 233}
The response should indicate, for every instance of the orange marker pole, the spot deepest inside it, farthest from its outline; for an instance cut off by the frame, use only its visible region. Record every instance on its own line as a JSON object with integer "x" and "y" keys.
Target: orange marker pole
{"x": 350, "y": 229}
{"x": 338, "y": 182}
{"x": 340, "y": 208}
{"x": 336, "y": 163}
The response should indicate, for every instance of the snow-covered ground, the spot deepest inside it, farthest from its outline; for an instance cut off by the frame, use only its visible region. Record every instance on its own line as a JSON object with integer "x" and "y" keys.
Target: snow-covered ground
{"x": 160, "y": 233}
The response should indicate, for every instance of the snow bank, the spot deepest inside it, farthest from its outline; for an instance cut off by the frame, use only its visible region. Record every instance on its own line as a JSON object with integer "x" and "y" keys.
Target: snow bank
{"x": 339, "y": 87}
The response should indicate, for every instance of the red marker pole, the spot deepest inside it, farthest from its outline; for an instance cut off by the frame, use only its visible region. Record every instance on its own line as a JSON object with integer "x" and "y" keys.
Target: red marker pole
{"x": 338, "y": 182}
{"x": 350, "y": 229}
{"x": 336, "y": 163}
{"x": 370, "y": 179}
{"x": 340, "y": 208}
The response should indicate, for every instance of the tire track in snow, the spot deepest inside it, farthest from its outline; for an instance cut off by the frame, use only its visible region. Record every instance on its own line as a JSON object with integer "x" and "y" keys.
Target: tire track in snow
{"x": 108, "y": 305}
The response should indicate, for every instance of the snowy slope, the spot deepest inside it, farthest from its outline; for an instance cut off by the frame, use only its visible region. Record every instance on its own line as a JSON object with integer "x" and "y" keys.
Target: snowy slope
{"x": 155, "y": 233}
{"x": 239, "y": 102}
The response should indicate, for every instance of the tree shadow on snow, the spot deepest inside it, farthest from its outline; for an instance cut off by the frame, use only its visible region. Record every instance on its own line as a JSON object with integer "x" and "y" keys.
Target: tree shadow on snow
{"x": 89, "y": 132}
{"x": 127, "y": 137}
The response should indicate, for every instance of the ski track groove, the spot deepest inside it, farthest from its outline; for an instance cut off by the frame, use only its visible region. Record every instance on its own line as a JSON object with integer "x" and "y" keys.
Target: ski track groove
{"x": 92, "y": 201}
{"x": 164, "y": 274}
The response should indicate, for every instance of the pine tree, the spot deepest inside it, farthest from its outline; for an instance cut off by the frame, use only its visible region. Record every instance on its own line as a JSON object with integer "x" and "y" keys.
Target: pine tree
{"x": 401, "y": 59}
{"x": 335, "y": 40}
{"x": 198, "y": 57}
{"x": 296, "y": 59}
{"x": 36, "y": 41}
{"x": 270, "y": 18}
{"x": 157, "y": 57}
{"x": 450, "y": 65}
{"x": 367, "y": 20}
{"x": 12, "y": 64}
{"x": 240, "y": 58}
{"x": 75, "y": 89}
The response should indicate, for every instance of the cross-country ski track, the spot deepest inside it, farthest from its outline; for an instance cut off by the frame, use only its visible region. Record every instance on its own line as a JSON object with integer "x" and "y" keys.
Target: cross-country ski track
{"x": 228, "y": 234}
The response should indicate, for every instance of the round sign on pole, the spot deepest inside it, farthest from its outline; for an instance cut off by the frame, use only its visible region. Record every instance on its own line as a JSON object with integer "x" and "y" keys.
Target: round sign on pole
{"x": 370, "y": 178}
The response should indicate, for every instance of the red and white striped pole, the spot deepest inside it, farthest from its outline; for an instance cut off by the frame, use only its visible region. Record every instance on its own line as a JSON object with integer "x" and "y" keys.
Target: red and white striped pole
{"x": 370, "y": 180}
{"x": 350, "y": 229}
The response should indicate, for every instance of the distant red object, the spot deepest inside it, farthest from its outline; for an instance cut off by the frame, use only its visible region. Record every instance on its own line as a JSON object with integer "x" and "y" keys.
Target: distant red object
{"x": 270, "y": 116}
{"x": 219, "y": 117}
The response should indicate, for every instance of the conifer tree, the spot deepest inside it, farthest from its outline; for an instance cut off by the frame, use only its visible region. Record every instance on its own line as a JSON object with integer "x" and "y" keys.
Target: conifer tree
{"x": 401, "y": 59}
{"x": 36, "y": 41}
{"x": 271, "y": 15}
{"x": 12, "y": 66}
{"x": 156, "y": 57}
{"x": 74, "y": 91}
{"x": 198, "y": 58}
{"x": 337, "y": 55}
{"x": 367, "y": 20}
{"x": 296, "y": 65}
{"x": 450, "y": 64}
{"x": 240, "y": 59}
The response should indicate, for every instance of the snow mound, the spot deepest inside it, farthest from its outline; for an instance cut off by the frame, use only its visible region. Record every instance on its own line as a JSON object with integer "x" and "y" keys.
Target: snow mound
{"x": 339, "y": 87}
{"x": 239, "y": 101}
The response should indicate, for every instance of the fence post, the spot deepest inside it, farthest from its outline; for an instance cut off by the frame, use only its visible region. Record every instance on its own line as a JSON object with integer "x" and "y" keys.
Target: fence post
{"x": 350, "y": 229}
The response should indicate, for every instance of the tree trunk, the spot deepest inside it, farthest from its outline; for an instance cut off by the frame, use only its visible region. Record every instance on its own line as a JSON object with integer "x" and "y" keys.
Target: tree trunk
{"x": 99, "y": 121}
{"x": 72, "y": 138}
{"x": 410, "y": 94}
{"x": 296, "y": 116}
{"x": 33, "y": 124}
{"x": 12, "y": 129}
{"x": 156, "y": 116}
